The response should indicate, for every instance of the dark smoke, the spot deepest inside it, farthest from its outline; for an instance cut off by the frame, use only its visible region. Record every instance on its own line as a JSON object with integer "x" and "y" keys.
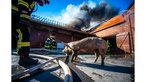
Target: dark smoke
{"x": 82, "y": 20}
{"x": 97, "y": 14}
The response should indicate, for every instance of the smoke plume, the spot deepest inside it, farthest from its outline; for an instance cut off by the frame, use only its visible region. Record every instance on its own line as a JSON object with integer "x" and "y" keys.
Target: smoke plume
{"x": 88, "y": 15}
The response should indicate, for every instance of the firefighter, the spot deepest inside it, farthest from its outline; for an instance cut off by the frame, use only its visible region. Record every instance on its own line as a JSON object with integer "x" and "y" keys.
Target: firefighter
{"x": 50, "y": 43}
{"x": 21, "y": 10}
{"x": 53, "y": 42}
{"x": 47, "y": 43}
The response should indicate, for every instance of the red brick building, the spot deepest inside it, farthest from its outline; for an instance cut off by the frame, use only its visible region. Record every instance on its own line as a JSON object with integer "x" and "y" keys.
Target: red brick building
{"x": 119, "y": 30}
{"x": 40, "y": 31}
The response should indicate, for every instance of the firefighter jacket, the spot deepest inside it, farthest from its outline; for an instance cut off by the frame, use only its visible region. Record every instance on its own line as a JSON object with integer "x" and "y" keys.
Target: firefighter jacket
{"x": 22, "y": 9}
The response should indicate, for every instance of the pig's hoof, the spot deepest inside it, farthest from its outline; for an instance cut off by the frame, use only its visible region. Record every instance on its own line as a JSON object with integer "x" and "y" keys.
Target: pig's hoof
{"x": 71, "y": 61}
{"x": 102, "y": 64}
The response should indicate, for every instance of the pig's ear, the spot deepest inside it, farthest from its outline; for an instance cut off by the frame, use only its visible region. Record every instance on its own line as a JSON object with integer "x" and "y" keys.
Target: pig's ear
{"x": 64, "y": 43}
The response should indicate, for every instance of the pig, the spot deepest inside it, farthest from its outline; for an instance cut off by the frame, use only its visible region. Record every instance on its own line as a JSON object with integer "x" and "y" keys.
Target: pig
{"x": 88, "y": 44}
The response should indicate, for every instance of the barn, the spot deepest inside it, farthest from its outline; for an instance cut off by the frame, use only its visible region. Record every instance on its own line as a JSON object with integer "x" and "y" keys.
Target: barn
{"x": 119, "y": 31}
{"x": 40, "y": 31}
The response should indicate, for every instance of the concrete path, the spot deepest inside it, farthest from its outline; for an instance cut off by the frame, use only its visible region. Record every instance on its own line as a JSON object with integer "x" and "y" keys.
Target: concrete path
{"x": 116, "y": 69}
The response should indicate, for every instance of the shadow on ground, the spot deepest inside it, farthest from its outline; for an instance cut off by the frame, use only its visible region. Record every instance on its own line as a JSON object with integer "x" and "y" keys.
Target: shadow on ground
{"x": 41, "y": 76}
{"x": 113, "y": 68}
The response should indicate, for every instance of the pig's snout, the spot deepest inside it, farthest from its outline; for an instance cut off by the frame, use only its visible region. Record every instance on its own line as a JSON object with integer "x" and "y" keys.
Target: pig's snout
{"x": 63, "y": 51}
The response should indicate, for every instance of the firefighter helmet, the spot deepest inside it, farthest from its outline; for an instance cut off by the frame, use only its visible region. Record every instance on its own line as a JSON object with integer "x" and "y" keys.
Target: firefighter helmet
{"x": 42, "y": 2}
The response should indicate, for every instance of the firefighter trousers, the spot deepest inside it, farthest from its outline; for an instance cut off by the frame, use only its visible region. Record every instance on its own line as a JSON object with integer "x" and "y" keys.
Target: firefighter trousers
{"x": 20, "y": 35}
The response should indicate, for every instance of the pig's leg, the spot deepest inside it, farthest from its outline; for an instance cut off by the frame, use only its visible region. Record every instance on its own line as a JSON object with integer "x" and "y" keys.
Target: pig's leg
{"x": 101, "y": 51}
{"x": 72, "y": 58}
{"x": 96, "y": 55}
{"x": 73, "y": 55}
{"x": 103, "y": 57}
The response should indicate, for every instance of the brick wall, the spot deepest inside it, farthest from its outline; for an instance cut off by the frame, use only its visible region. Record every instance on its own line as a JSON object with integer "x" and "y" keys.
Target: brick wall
{"x": 127, "y": 26}
{"x": 40, "y": 32}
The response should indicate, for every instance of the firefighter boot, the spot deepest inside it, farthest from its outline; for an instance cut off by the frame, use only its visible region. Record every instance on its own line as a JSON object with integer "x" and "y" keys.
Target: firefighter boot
{"x": 26, "y": 61}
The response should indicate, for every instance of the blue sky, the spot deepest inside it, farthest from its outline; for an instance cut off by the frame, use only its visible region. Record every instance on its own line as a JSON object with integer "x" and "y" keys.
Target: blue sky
{"x": 57, "y": 6}
{"x": 66, "y": 10}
